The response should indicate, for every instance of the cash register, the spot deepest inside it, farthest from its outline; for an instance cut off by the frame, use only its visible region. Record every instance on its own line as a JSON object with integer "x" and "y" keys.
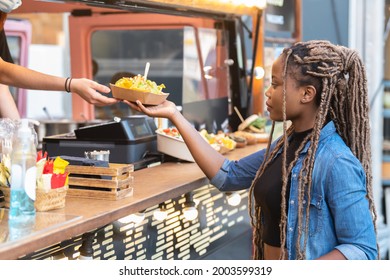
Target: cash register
{"x": 130, "y": 140}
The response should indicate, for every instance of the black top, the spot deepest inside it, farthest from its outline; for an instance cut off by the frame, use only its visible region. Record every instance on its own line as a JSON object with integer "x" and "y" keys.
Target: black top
{"x": 268, "y": 191}
{"x": 4, "y": 50}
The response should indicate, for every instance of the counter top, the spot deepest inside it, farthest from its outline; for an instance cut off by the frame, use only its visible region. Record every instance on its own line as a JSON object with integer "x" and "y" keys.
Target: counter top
{"x": 151, "y": 187}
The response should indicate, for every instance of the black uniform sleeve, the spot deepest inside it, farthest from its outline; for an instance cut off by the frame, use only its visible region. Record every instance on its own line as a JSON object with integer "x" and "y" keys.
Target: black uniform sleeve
{"x": 4, "y": 50}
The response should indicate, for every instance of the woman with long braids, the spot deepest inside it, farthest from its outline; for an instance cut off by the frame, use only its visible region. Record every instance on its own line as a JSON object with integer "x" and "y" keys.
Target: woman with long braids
{"x": 310, "y": 190}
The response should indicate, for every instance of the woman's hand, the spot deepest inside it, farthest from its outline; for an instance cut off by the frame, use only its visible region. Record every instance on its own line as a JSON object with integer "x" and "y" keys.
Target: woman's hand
{"x": 90, "y": 91}
{"x": 19, "y": 76}
{"x": 208, "y": 159}
{"x": 167, "y": 109}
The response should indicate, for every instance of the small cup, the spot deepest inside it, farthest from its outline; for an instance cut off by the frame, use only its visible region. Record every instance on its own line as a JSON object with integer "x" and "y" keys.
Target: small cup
{"x": 98, "y": 155}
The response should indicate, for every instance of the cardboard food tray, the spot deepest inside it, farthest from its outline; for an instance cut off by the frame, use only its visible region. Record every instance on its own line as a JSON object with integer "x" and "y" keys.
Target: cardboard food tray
{"x": 108, "y": 183}
{"x": 262, "y": 137}
{"x": 147, "y": 98}
{"x": 173, "y": 146}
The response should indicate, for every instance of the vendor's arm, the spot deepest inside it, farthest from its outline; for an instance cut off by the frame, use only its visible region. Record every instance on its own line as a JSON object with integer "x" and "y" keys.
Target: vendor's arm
{"x": 19, "y": 76}
{"x": 8, "y": 107}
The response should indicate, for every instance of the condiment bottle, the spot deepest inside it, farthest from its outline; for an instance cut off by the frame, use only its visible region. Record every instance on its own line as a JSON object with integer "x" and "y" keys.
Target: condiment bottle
{"x": 23, "y": 177}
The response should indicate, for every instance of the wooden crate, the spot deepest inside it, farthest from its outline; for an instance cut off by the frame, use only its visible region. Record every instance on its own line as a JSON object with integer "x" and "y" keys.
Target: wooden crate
{"x": 113, "y": 182}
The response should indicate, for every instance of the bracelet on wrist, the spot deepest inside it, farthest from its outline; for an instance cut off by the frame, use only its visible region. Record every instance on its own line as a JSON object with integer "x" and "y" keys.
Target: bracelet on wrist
{"x": 68, "y": 82}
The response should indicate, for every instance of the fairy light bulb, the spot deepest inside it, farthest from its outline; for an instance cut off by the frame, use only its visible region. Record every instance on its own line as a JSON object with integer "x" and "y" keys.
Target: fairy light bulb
{"x": 135, "y": 218}
{"x": 233, "y": 198}
{"x": 189, "y": 211}
{"x": 259, "y": 73}
{"x": 138, "y": 217}
{"x": 161, "y": 213}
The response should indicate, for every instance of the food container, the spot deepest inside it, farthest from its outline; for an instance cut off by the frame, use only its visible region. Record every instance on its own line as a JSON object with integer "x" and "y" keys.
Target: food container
{"x": 98, "y": 155}
{"x": 147, "y": 98}
{"x": 173, "y": 146}
{"x": 261, "y": 137}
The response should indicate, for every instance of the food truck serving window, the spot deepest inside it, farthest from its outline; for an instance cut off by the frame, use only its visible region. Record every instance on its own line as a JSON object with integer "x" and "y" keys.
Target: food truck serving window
{"x": 124, "y": 53}
{"x": 196, "y": 48}
{"x": 187, "y": 55}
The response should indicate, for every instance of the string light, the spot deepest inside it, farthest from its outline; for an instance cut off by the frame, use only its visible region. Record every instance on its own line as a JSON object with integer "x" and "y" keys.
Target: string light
{"x": 207, "y": 70}
{"x": 161, "y": 213}
{"x": 233, "y": 198}
{"x": 138, "y": 217}
{"x": 135, "y": 218}
{"x": 189, "y": 211}
{"x": 259, "y": 72}
{"x": 261, "y": 4}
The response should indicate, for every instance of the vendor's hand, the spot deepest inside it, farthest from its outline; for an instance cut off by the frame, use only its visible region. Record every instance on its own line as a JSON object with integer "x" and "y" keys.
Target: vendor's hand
{"x": 165, "y": 110}
{"x": 90, "y": 91}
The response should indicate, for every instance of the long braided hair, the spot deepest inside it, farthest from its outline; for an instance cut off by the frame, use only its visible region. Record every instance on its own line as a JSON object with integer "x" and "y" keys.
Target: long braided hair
{"x": 339, "y": 77}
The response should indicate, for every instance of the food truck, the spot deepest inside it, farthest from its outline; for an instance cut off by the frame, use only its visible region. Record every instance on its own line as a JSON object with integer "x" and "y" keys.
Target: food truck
{"x": 199, "y": 50}
{"x": 210, "y": 56}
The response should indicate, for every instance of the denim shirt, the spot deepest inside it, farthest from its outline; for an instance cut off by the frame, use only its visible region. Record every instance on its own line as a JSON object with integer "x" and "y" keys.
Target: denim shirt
{"x": 339, "y": 211}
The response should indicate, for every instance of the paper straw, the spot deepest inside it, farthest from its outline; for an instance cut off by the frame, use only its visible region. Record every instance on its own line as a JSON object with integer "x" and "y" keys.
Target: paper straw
{"x": 146, "y": 70}
{"x": 239, "y": 114}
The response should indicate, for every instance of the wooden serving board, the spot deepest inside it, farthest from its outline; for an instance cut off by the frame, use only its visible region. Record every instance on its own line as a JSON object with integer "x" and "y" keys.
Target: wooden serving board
{"x": 109, "y": 183}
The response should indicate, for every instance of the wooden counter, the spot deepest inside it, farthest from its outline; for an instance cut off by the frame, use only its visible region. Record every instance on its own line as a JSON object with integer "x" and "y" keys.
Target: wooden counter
{"x": 151, "y": 187}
